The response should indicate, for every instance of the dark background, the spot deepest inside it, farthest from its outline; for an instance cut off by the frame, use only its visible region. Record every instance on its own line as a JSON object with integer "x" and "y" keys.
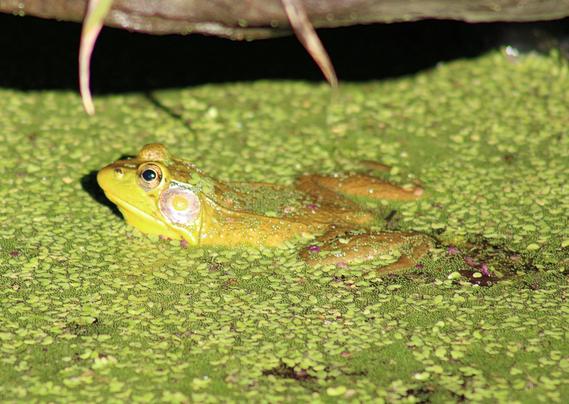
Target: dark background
{"x": 42, "y": 54}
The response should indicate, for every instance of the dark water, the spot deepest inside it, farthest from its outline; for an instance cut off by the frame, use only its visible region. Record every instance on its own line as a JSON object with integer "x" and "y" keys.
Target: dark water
{"x": 42, "y": 54}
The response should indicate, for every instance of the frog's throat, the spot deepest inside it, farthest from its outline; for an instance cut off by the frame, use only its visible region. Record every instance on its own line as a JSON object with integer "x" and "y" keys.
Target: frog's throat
{"x": 145, "y": 222}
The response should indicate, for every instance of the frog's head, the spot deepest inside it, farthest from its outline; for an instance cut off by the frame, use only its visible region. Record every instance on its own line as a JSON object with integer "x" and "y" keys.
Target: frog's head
{"x": 157, "y": 193}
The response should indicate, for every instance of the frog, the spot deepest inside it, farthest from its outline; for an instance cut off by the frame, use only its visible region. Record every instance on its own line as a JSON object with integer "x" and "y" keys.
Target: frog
{"x": 162, "y": 195}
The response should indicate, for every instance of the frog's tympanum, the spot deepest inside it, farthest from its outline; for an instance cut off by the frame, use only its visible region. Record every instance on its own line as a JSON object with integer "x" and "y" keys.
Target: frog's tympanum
{"x": 160, "y": 194}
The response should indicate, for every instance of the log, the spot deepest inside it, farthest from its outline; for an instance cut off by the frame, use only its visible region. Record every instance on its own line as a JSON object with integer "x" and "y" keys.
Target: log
{"x": 255, "y": 19}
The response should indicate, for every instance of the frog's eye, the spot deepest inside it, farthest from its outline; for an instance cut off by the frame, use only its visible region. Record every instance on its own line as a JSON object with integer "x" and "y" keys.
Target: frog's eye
{"x": 150, "y": 176}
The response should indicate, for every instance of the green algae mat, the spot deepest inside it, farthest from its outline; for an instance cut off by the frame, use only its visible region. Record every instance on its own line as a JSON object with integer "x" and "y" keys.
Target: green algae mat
{"x": 91, "y": 310}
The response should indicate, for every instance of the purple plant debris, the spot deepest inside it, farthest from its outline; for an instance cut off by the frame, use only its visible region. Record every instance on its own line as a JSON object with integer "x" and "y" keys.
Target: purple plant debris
{"x": 482, "y": 267}
{"x": 314, "y": 249}
{"x": 484, "y": 270}
{"x": 452, "y": 250}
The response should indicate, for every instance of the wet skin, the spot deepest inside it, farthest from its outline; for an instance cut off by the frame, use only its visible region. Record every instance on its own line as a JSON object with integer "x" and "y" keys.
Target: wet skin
{"x": 160, "y": 194}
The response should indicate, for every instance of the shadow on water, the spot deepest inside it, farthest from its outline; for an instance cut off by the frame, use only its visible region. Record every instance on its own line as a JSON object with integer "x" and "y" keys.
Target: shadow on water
{"x": 42, "y": 54}
{"x": 90, "y": 185}
{"x": 171, "y": 112}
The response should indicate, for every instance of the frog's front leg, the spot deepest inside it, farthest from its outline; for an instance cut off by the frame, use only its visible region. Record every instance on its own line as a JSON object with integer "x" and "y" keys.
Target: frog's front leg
{"x": 341, "y": 248}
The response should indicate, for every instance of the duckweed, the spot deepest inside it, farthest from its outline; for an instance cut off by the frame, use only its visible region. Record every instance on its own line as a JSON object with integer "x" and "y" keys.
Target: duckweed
{"x": 92, "y": 311}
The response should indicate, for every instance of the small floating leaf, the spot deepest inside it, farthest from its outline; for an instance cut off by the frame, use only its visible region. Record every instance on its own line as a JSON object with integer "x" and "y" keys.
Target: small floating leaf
{"x": 336, "y": 391}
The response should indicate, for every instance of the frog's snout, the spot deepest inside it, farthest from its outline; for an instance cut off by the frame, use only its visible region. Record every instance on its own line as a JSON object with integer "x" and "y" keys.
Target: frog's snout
{"x": 109, "y": 175}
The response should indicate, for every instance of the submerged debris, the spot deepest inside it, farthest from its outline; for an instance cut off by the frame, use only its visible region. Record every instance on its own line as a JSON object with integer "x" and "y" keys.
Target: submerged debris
{"x": 480, "y": 256}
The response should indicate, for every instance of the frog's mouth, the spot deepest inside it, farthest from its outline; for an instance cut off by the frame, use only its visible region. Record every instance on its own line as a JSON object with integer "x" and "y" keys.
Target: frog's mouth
{"x": 131, "y": 213}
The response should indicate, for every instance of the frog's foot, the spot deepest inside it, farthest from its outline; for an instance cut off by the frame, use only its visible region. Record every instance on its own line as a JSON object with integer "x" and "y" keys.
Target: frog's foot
{"x": 356, "y": 185}
{"x": 341, "y": 249}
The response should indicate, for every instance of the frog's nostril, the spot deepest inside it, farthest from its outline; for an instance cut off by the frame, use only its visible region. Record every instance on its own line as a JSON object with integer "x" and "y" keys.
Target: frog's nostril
{"x": 118, "y": 172}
